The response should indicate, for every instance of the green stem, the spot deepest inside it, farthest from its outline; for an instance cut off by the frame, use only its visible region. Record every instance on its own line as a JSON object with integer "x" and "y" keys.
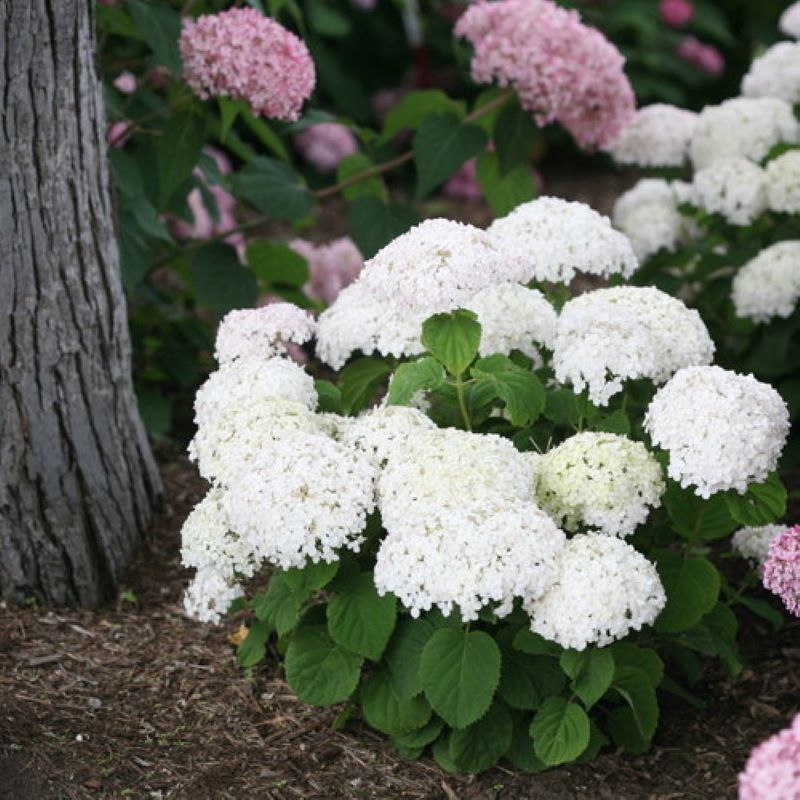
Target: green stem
{"x": 462, "y": 402}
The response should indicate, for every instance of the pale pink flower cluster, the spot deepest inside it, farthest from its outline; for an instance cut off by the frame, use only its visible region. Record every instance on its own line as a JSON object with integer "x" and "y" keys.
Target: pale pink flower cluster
{"x": 705, "y": 57}
{"x": 242, "y": 54}
{"x": 562, "y": 70}
{"x": 331, "y": 266}
{"x": 325, "y": 145}
{"x": 789, "y": 22}
{"x": 773, "y": 769}
{"x": 464, "y": 184}
{"x": 781, "y": 573}
{"x": 676, "y": 12}
{"x": 125, "y": 82}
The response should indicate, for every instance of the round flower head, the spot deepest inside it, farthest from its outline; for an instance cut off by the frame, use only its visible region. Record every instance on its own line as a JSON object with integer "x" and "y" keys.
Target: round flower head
{"x": 210, "y": 595}
{"x": 753, "y": 543}
{"x": 304, "y": 499}
{"x": 658, "y": 136}
{"x": 561, "y": 69}
{"x": 601, "y": 481}
{"x": 768, "y": 285}
{"x": 553, "y": 240}
{"x": 262, "y": 332}
{"x": 325, "y": 145}
{"x": 783, "y": 183}
{"x": 781, "y": 573}
{"x": 331, "y": 266}
{"x": 776, "y": 73}
{"x": 722, "y": 430}
{"x": 745, "y": 127}
{"x": 608, "y": 336}
{"x": 773, "y": 769}
{"x": 513, "y": 317}
{"x": 436, "y": 266}
{"x": 603, "y": 590}
{"x": 733, "y": 188}
{"x": 790, "y": 21}
{"x": 468, "y": 554}
{"x": 242, "y": 54}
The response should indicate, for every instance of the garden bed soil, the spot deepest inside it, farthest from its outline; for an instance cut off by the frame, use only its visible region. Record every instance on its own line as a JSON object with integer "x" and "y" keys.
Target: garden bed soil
{"x": 135, "y": 700}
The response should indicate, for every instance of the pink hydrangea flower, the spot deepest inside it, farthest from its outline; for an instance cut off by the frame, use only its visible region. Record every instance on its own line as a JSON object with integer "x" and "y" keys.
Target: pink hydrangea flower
{"x": 125, "y": 82}
{"x": 703, "y": 56}
{"x": 464, "y": 184}
{"x": 332, "y": 266}
{"x": 773, "y": 769}
{"x": 119, "y": 132}
{"x": 781, "y": 571}
{"x": 561, "y": 69}
{"x": 676, "y": 12}
{"x": 326, "y": 144}
{"x": 242, "y": 54}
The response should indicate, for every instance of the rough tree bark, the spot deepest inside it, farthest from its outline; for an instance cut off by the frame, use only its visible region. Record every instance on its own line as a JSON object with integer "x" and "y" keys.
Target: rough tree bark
{"x": 78, "y": 483}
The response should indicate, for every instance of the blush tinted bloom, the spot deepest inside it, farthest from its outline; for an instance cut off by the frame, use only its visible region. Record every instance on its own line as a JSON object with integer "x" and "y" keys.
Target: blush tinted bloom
{"x": 331, "y": 266}
{"x": 242, "y": 54}
{"x": 561, "y": 69}
{"x": 773, "y": 769}
{"x": 781, "y": 573}
{"x": 790, "y": 21}
{"x": 676, "y": 12}
{"x": 325, "y": 145}
{"x": 705, "y": 57}
{"x": 125, "y": 82}
{"x": 464, "y": 184}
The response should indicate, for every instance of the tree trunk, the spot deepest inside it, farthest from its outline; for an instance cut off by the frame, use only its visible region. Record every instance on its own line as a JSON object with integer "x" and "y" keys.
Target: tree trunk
{"x": 78, "y": 483}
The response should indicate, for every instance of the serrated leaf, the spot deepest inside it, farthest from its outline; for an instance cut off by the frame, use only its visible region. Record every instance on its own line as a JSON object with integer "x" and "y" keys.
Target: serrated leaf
{"x": 634, "y": 729}
{"x": 277, "y": 263}
{"x": 160, "y": 25}
{"x": 404, "y": 651}
{"x": 521, "y": 753}
{"x": 421, "y": 737}
{"x": 330, "y": 398}
{"x": 414, "y": 107}
{"x": 273, "y": 188}
{"x": 253, "y": 647}
{"x": 280, "y": 605}
{"x": 560, "y": 731}
{"x": 481, "y": 745}
{"x": 764, "y": 610}
{"x": 692, "y": 587}
{"x": 412, "y": 377}
{"x": 367, "y": 187}
{"x": 626, "y": 654}
{"x": 306, "y": 580}
{"x": 452, "y": 339}
{"x": 219, "y": 281}
{"x": 762, "y": 504}
{"x": 591, "y": 670}
{"x": 617, "y": 422}
{"x": 319, "y": 671}
{"x": 374, "y": 223}
{"x": 387, "y": 711}
{"x": 359, "y": 381}
{"x": 441, "y": 754}
{"x": 561, "y": 407}
{"x": 177, "y": 152}
{"x": 525, "y": 680}
{"x": 459, "y": 673}
{"x": 695, "y": 518}
{"x": 520, "y": 389}
{"x": 228, "y": 111}
{"x": 359, "y": 618}
{"x": 529, "y": 642}
{"x": 514, "y": 135}
{"x": 504, "y": 193}
{"x": 326, "y": 20}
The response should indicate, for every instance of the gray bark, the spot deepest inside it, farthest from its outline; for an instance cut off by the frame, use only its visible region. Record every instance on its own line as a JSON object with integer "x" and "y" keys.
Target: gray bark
{"x": 78, "y": 483}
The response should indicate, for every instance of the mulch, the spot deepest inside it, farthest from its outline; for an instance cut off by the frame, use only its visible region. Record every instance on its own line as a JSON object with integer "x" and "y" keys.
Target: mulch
{"x": 135, "y": 700}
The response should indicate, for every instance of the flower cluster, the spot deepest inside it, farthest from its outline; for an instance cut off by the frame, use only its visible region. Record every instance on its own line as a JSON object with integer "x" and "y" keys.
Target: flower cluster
{"x": 658, "y": 136}
{"x": 789, "y": 22}
{"x": 601, "y": 481}
{"x": 776, "y": 73}
{"x": 768, "y": 285}
{"x": 331, "y": 266}
{"x": 732, "y": 187}
{"x": 704, "y": 56}
{"x": 773, "y": 768}
{"x": 783, "y": 183}
{"x": 753, "y": 543}
{"x": 608, "y": 336}
{"x": 242, "y": 54}
{"x": 722, "y": 430}
{"x": 326, "y": 144}
{"x": 561, "y": 69}
{"x": 781, "y": 572}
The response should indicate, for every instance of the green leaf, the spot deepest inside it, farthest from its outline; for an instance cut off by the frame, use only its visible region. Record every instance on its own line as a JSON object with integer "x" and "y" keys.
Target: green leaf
{"x": 359, "y": 381}
{"x": 264, "y": 133}
{"x": 359, "y": 618}
{"x": 452, "y": 339}
{"x": 310, "y": 578}
{"x": 228, "y": 111}
{"x": 591, "y": 670}
{"x": 177, "y": 153}
{"x": 521, "y": 753}
{"x": 387, "y": 711}
{"x": 480, "y": 745}
{"x": 254, "y": 646}
{"x": 155, "y": 411}
{"x": 326, "y": 20}
{"x": 422, "y": 736}
{"x": 560, "y": 731}
{"x": 319, "y": 671}
{"x": 330, "y": 398}
{"x": 529, "y": 642}
{"x": 459, "y": 672}
{"x": 648, "y": 661}
{"x": 413, "y": 376}
{"x": 117, "y": 20}
{"x": 520, "y": 389}
{"x": 160, "y": 25}
{"x": 441, "y": 145}
{"x": 764, "y": 610}
{"x": 404, "y": 652}
{"x": 277, "y": 264}
{"x": 374, "y": 223}
{"x": 762, "y": 504}
{"x": 514, "y": 135}
{"x": 280, "y": 605}
{"x": 220, "y": 283}
{"x": 633, "y": 727}
{"x": 525, "y": 680}
{"x": 695, "y": 518}
{"x": 274, "y": 189}
{"x": 692, "y": 587}
{"x": 561, "y": 407}
{"x": 616, "y": 422}
{"x": 414, "y": 107}
{"x": 367, "y": 187}
{"x": 504, "y": 193}
{"x": 441, "y": 754}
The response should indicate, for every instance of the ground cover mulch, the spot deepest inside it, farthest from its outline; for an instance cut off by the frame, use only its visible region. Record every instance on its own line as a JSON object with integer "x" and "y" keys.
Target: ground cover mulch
{"x": 135, "y": 700}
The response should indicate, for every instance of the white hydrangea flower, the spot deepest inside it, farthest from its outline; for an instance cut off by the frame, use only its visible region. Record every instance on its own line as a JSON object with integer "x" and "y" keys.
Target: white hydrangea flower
{"x": 776, "y": 73}
{"x": 768, "y": 285}
{"x": 601, "y": 481}
{"x": 789, "y": 22}
{"x": 612, "y": 335}
{"x": 753, "y": 543}
{"x": 648, "y": 215}
{"x": 783, "y": 183}
{"x": 513, "y": 317}
{"x": 468, "y": 554}
{"x": 262, "y": 332}
{"x": 210, "y": 595}
{"x": 603, "y": 590}
{"x": 307, "y": 497}
{"x": 552, "y": 240}
{"x": 657, "y": 136}
{"x": 743, "y": 127}
{"x": 436, "y": 266}
{"x": 380, "y": 431}
{"x": 722, "y": 430}
{"x": 735, "y": 188}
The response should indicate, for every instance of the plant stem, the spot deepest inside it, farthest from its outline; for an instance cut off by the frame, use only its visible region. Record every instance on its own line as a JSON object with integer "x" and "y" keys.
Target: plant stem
{"x": 462, "y": 402}
{"x": 134, "y": 123}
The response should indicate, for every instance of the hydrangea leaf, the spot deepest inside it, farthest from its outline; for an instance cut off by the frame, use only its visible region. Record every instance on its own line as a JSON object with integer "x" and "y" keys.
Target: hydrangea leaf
{"x": 529, "y": 642}
{"x": 219, "y": 281}
{"x": 367, "y": 187}
{"x": 525, "y": 680}
{"x": 404, "y": 651}
{"x": 504, "y": 192}
{"x": 514, "y": 135}
{"x": 279, "y": 605}
{"x": 441, "y": 754}
{"x": 177, "y": 153}
{"x": 626, "y": 654}
{"x": 521, "y": 753}
{"x": 591, "y": 670}
{"x": 253, "y": 647}
{"x": 414, "y": 107}
{"x": 160, "y": 25}
{"x": 273, "y": 188}
{"x": 692, "y": 587}
{"x": 459, "y": 673}
{"x": 761, "y": 504}
{"x": 695, "y": 518}
{"x": 452, "y": 339}
{"x": 359, "y": 381}
{"x": 480, "y": 745}
{"x": 633, "y": 727}
{"x": 311, "y": 578}
{"x": 386, "y": 710}
{"x": 374, "y": 223}
{"x": 520, "y": 389}
{"x": 560, "y": 731}
{"x": 412, "y": 377}
{"x": 277, "y": 264}
{"x": 422, "y": 736}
